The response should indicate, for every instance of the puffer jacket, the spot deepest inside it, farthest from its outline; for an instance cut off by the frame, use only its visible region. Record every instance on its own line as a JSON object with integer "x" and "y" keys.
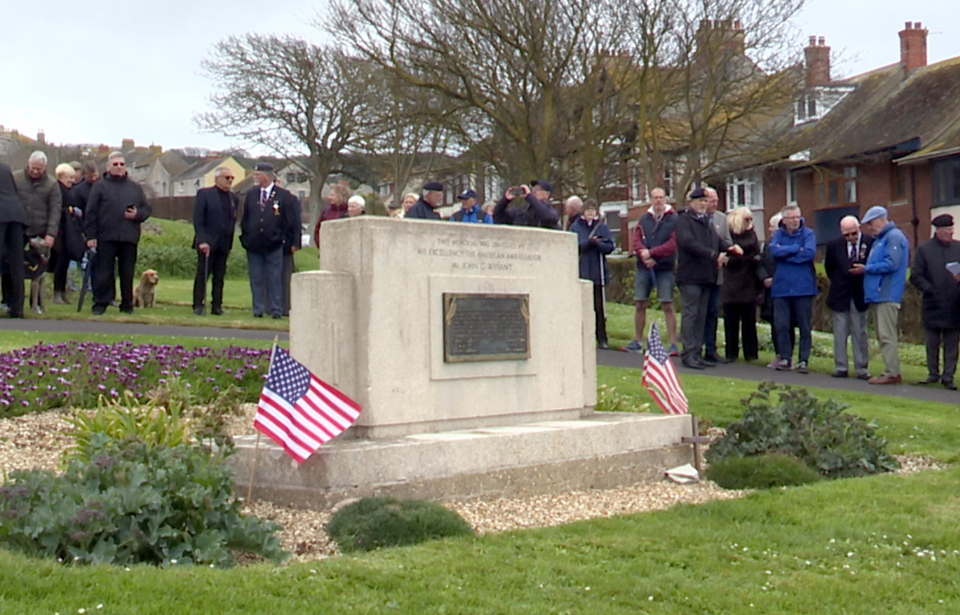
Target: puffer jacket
{"x": 885, "y": 273}
{"x": 794, "y": 254}
{"x": 41, "y": 202}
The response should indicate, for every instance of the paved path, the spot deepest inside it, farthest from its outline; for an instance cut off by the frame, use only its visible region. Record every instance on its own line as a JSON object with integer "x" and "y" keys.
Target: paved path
{"x": 612, "y": 358}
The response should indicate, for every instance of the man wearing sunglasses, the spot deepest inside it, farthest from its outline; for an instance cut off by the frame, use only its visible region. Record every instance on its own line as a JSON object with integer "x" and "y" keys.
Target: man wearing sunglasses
{"x": 116, "y": 208}
{"x": 845, "y": 298}
{"x": 214, "y": 220}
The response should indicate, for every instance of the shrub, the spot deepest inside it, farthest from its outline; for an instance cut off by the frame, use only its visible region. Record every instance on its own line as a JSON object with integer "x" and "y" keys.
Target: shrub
{"x": 133, "y": 504}
{"x": 372, "y": 523}
{"x": 819, "y": 433}
{"x": 761, "y": 472}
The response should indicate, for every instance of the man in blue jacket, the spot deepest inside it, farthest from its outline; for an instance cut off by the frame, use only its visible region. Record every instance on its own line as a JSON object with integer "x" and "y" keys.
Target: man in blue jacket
{"x": 885, "y": 275}
{"x": 793, "y": 247}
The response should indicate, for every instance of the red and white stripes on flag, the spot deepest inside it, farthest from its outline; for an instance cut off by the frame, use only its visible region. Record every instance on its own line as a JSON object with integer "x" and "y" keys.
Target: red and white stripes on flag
{"x": 299, "y": 411}
{"x": 660, "y": 377}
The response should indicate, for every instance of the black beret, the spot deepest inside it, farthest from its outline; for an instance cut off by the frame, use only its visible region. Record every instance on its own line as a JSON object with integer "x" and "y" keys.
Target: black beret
{"x": 698, "y": 193}
{"x": 943, "y": 220}
{"x": 433, "y": 187}
{"x": 265, "y": 167}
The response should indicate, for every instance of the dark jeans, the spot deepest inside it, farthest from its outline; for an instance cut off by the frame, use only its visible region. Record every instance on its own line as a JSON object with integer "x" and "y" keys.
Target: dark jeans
{"x": 600, "y": 312}
{"x": 216, "y": 266}
{"x": 949, "y": 338}
{"x": 786, "y": 312}
{"x": 693, "y": 306}
{"x": 124, "y": 253}
{"x": 737, "y": 317}
{"x": 11, "y": 251}
{"x": 710, "y": 322}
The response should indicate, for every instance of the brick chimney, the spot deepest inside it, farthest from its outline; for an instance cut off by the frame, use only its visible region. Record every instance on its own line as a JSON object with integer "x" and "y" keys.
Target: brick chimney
{"x": 913, "y": 47}
{"x": 818, "y": 62}
{"x": 720, "y": 37}
{"x": 41, "y": 137}
{"x": 127, "y": 145}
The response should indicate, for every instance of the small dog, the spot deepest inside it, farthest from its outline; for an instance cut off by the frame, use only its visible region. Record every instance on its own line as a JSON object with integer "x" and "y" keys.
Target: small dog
{"x": 35, "y": 262}
{"x": 146, "y": 291}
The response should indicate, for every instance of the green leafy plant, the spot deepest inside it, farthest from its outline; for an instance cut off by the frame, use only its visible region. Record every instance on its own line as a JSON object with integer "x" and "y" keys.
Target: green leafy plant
{"x": 819, "y": 433}
{"x": 123, "y": 419}
{"x": 761, "y": 472}
{"x": 373, "y": 523}
{"x": 133, "y": 503}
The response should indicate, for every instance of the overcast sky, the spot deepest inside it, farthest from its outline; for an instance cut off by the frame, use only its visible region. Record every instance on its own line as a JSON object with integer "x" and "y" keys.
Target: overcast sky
{"x": 144, "y": 80}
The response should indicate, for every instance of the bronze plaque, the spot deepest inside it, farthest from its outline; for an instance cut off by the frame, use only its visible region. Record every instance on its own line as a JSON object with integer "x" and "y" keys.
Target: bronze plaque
{"x": 482, "y": 327}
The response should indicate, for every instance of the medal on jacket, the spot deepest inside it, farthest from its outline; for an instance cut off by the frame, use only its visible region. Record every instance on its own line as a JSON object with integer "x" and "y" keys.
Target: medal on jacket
{"x": 276, "y": 208}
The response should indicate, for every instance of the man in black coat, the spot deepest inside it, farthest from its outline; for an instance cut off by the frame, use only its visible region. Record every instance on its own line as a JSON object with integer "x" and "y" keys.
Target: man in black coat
{"x": 115, "y": 209}
{"x": 846, "y": 297}
{"x": 701, "y": 253}
{"x": 12, "y": 222}
{"x": 940, "y": 311}
{"x": 536, "y": 211}
{"x": 431, "y": 197}
{"x": 269, "y": 219}
{"x": 214, "y": 219}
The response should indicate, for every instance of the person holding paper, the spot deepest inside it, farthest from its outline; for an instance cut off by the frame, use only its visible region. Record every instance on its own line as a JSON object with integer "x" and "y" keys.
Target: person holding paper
{"x": 845, "y": 298}
{"x": 940, "y": 311}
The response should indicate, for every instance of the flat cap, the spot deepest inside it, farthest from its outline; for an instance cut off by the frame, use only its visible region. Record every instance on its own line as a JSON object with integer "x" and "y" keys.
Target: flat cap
{"x": 873, "y": 213}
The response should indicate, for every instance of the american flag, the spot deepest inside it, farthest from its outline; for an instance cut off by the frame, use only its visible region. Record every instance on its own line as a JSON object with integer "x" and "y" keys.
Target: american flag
{"x": 660, "y": 377}
{"x": 299, "y": 411}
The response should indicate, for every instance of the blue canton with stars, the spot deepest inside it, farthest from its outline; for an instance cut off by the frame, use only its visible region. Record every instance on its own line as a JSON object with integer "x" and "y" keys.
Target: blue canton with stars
{"x": 288, "y": 378}
{"x": 655, "y": 349}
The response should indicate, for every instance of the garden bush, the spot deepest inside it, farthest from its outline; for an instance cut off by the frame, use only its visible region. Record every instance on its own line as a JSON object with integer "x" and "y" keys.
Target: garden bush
{"x": 76, "y": 374}
{"x": 373, "y": 523}
{"x": 133, "y": 503}
{"x": 819, "y": 433}
{"x": 761, "y": 472}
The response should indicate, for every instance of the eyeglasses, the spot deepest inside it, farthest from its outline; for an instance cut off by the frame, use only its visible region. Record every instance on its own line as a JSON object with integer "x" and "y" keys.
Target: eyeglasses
{"x": 229, "y": 177}
{"x": 853, "y": 234}
{"x": 119, "y": 164}
{"x": 790, "y": 218}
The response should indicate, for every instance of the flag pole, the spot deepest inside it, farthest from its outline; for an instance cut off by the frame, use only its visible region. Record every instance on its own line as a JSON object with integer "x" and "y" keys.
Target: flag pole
{"x": 256, "y": 446}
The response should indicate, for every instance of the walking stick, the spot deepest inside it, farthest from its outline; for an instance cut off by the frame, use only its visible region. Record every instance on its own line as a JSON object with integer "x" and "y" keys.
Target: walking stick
{"x": 87, "y": 271}
{"x": 206, "y": 277}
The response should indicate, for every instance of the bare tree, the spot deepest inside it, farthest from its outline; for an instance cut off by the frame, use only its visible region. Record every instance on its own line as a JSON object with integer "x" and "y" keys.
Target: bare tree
{"x": 289, "y": 96}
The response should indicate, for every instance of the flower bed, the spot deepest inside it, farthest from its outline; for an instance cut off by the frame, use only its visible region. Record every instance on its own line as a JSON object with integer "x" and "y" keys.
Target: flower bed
{"x": 75, "y": 374}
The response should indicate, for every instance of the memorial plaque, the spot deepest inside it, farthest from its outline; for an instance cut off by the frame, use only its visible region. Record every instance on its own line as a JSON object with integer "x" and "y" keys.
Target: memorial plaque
{"x": 485, "y": 327}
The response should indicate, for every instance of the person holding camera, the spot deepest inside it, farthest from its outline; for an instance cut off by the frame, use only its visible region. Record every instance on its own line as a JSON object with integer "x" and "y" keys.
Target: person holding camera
{"x": 535, "y": 211}
{"x": 115, "y": 209}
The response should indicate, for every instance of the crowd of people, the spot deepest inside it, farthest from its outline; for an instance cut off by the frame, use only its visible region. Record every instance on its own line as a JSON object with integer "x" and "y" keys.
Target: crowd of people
{"x": 717, "y": 260}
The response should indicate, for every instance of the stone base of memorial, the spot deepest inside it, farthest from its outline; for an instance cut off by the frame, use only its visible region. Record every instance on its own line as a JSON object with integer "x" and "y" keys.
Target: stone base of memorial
{"x": 471, "y": 350}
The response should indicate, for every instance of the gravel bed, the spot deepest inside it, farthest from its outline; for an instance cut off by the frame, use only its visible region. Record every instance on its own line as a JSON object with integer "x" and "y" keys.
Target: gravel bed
{"x": 38, "y": 441}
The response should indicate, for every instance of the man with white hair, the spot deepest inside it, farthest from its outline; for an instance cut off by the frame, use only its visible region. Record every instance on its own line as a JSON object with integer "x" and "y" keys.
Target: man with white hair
{"x": 214, "y": 219}
{"x": 431, "y": 198}
{"x": 355, "y": 206}
{"x": 115, "y": 210}
{"x": 845, "y": 298}
{"x": 571, "y": 209}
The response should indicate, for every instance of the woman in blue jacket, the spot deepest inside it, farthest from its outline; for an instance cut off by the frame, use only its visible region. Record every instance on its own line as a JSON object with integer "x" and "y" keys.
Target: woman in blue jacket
{"x": 595, "y": 241}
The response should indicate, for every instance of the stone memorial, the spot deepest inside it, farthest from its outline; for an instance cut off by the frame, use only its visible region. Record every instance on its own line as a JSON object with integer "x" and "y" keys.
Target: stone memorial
{"x": 470, "y": 348}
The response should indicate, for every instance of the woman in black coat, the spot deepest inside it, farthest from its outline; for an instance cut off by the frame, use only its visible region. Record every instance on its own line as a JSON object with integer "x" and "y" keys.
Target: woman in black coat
{"x": 741, "y": 287}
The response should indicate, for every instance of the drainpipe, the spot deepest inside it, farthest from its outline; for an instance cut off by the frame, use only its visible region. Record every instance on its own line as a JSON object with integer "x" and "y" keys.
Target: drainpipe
{"x": 913, "y": 205}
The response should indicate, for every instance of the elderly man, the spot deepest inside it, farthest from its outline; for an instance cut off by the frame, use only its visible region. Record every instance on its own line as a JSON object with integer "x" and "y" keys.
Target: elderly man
{"x": 214, "y": 219}
{"x": 940, "y": 311}
{"x": 116, "y": 208}
{"x": 793, "y": 248}
{"x": 572, "y": 209}
{"x": 431, "y": 197}
{"x": 845, "y": 298}
{"x": 885, "y": 274}
{"x": 12, "y": 221}
{"x": 469, "y": 208}
{"x": 40, "y": 197}
{"x": 536, "y": 210}
{"x": 269, "y": 221}
{"x": 701, "y": 254}
{"x": 719, "y": 221}
{"x": 654, "y": 243}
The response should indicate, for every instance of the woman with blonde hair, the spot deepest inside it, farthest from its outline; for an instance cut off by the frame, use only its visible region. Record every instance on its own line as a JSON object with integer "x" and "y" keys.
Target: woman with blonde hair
{"x": 741, "y": 287}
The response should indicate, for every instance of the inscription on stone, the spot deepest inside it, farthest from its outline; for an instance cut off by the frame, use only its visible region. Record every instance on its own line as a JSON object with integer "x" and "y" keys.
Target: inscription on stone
{"x": 485, "y": 327}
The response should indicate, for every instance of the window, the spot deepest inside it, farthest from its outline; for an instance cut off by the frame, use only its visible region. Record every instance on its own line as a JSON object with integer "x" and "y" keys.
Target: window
{"x": 636, "y": 184}
{"x": 291, "y": 178}
{"x": 898, "y": 183}
{"x": 837, "y": 189}
{"x": 667, "y": 181}
{"x": 791, "y": 187}
{"x": 946, "y": 182}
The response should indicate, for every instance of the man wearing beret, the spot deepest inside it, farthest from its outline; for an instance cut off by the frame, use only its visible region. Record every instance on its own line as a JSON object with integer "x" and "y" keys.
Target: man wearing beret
{"x": 536, "y": 210}
{"x": 940, "y": 311}
{"x": 269, "y": 223}
{"x": 884, "y": 276}
{"x": 431, "y": 197}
